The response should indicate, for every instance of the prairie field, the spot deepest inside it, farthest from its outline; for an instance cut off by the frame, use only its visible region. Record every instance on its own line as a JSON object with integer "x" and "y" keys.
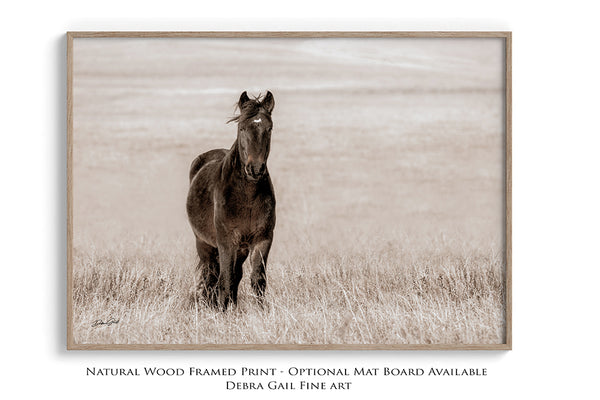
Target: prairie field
{"x": 387, "y": 159}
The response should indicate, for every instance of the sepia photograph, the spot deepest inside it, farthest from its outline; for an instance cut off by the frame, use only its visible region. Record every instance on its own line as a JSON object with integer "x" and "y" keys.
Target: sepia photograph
{"x": 289, "y": 191}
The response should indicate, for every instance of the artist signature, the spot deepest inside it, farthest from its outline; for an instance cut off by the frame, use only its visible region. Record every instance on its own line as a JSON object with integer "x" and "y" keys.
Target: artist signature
{"x": 110, "y": 321}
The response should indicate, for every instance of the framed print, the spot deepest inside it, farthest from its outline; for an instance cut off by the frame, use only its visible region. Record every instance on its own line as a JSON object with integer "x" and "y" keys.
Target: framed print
{"x": 289, "y": 190}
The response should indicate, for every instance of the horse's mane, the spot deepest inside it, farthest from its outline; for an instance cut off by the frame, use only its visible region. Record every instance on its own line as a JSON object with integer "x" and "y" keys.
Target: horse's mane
{"x": 250, "y": 109}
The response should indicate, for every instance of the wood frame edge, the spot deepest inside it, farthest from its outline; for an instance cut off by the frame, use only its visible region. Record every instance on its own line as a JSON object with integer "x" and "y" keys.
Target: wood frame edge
{"x": 288, "y": 34}
{"x": 70, "y": 339}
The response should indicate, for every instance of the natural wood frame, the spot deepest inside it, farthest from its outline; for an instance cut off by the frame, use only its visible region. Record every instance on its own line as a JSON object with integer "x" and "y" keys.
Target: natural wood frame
{"x": 507, "y": 36}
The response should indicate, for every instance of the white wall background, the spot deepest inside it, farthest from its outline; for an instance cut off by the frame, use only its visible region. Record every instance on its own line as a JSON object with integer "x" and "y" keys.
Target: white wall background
{"x": 555, "y": 193}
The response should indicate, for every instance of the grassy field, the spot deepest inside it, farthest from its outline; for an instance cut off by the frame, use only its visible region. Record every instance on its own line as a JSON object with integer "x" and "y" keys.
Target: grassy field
{"x": 388, "y": 171}
{"x": 390, "y": 293}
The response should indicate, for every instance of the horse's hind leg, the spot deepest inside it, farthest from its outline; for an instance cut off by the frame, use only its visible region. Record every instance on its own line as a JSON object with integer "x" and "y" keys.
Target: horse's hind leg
{"x": 208, "y": 270}
{"x": 258, "y": 260}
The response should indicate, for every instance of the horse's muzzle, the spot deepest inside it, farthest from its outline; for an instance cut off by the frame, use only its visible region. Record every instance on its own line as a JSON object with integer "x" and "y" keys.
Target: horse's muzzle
{"x": 255, "y": 171}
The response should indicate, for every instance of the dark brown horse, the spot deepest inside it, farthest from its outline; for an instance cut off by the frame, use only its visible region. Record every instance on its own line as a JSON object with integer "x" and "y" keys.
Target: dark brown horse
{"x": 231, "y": 206}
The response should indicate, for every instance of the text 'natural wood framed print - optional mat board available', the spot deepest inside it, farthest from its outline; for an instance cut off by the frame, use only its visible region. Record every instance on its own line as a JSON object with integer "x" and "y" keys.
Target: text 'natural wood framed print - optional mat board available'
{"x": 289, "y": 190}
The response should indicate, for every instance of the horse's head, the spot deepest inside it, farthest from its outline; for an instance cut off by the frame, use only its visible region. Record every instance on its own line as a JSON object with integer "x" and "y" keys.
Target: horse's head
{"x": 254, "y": 133}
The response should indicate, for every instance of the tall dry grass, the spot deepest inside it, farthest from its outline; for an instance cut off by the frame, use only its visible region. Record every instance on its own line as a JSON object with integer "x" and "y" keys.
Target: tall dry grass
{"x": 390, "y": 293}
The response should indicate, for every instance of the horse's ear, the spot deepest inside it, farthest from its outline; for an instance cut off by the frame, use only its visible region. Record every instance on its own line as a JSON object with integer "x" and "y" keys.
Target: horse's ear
{"x": 243, "y": 98}
{"x": 268, "y": 102}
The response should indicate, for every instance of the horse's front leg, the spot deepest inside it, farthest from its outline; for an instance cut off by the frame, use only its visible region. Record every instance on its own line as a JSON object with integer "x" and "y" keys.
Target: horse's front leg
{"x": 208, "y": 269}
{"x": 227, "y": 262}
{"x": 258, "y": 261}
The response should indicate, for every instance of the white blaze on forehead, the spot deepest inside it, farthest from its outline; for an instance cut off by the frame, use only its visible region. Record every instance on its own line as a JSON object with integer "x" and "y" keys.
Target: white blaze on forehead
{"x": 257, "y": 120}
